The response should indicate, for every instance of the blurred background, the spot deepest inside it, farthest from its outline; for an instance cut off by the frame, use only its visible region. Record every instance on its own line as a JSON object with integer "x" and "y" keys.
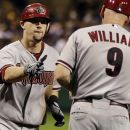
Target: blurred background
{"x": 67, "y": 16}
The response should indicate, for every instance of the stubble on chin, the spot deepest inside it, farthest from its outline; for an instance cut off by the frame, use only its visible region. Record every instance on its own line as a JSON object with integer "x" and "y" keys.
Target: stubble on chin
{"x": 37, "y": 39}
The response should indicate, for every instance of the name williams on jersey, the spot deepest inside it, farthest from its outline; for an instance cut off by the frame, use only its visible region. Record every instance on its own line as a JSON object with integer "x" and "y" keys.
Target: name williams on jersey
{"x": 108, "y": 36}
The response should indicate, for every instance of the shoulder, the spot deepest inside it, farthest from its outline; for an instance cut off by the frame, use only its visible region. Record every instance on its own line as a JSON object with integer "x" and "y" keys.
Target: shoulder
{"x": 124, "y": 30}
{"x": 11, "y": 47}
{"x": 87, "y": 29}
{"x": 51, "y": 49}
{"x": 81, "y": 32}
{"x": 52, "y": 54}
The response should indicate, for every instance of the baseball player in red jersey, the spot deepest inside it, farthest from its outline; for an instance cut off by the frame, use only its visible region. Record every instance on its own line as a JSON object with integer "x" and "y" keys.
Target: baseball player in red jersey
{"x": 95, "y": 66}
{"x": 27, "y": 75}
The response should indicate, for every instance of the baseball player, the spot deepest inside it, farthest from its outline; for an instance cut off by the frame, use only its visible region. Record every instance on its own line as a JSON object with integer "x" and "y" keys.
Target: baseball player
{"x": 27, "y": 75}
{"x": 95, "y": 67}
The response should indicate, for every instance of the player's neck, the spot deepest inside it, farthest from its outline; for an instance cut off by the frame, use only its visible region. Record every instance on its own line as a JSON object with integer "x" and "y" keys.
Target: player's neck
{"x": 31, "y": 46}
{"x": 113, "y": 22}
{"x": 112, "y": 17}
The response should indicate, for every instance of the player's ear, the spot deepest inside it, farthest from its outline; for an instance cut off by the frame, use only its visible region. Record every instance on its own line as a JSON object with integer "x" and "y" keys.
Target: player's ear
{"x": 47, "y": 28}
{"x": 127, "y": 21}
{"x": 22, "y": 24}
{"x": 102, "y": 11}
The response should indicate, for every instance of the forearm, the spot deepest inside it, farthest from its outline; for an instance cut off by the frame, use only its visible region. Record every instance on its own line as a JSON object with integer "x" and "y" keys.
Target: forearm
{"x": 56, "y": 112}
{"x": 14, "y": 74}
{"x": 53, "y": 104}
{"x": 55, "y": 92}
{"x": 63, "y": 76}
{"x": 64, "y": 82}
{"x": 49, "y": 91}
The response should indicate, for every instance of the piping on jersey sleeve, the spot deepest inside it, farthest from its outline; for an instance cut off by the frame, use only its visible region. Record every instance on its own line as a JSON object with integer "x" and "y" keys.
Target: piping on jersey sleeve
{"x": 65, "y": 64}
{"x": 2, "y": 72}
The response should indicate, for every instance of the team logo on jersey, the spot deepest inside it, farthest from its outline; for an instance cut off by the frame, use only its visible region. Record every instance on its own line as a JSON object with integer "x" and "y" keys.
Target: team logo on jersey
{"x": 46, "y": 78}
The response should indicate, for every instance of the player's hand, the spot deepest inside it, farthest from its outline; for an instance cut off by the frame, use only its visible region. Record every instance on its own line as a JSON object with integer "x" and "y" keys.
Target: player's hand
{"x": 34, "y": 70}
{"x": 57, "y": 114}
{"x": 56, "y": 111}
{"x": 59, "y": 124}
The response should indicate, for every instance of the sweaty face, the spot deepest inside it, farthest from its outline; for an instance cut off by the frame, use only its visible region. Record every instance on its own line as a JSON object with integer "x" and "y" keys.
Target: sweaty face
{"x": 35, "y": 29}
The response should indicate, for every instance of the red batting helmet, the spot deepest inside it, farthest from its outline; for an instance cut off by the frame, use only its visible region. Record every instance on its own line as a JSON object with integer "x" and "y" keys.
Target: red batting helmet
{"x": 120, "y": 6}
{"x": 35, "y": 10}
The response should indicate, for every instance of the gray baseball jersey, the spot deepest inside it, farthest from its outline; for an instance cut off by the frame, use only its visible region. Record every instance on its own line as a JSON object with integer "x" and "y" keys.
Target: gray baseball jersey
{"x": 98, "y": 56}
{"x": 24, "y": 101}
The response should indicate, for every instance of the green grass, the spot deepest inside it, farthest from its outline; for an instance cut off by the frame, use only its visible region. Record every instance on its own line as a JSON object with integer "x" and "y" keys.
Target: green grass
{"x": 50, "y": 123}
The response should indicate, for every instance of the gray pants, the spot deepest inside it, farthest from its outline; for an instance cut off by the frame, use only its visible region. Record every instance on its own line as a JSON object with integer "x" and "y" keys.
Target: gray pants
{"x": 8, "y": 125}
{"x": 98, "y": 115}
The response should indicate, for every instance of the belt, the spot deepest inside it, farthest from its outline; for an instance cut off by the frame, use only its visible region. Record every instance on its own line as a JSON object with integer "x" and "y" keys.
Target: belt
{"x": 90, "y": 99}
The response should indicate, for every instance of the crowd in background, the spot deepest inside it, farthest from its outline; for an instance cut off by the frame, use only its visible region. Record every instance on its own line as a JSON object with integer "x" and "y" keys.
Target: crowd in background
{"x": 79, "y": 13}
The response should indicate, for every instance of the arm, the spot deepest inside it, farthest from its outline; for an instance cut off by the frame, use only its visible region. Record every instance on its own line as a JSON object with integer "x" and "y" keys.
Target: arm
{"x": 13, "y": 74}
{"x": 63, "y": 76}
{"x": 53, "y": 104}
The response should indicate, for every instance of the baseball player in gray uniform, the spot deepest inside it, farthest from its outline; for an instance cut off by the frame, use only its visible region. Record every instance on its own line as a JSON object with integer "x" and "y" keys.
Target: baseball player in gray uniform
{"x": 95, "y": 67}
{"x": 27, "y": 75}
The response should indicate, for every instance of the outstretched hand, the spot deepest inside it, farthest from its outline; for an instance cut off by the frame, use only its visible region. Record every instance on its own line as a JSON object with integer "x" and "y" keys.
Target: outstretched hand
{"x": 33, "y": 70}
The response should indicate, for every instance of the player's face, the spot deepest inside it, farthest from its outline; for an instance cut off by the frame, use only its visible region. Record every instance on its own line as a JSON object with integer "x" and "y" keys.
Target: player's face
{"x": 35, "y": 29}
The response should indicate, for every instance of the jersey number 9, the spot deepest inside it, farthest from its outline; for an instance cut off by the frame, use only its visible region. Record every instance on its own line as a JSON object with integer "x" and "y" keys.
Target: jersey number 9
{"x": 115, "y": 59}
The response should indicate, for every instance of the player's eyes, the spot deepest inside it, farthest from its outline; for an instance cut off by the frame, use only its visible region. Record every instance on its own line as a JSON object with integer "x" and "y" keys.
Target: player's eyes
{"x": 37, "y": 20}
